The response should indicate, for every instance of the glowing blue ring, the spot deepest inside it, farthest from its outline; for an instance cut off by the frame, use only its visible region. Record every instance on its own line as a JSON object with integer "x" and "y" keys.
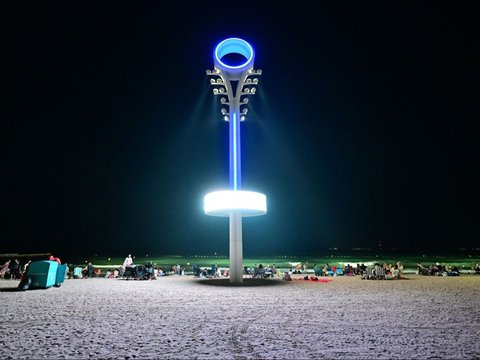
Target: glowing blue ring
{"x": 234, "y": 46}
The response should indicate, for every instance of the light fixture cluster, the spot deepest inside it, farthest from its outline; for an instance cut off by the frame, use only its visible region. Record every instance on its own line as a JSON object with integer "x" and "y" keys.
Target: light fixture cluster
{"x": 246, "y": 86}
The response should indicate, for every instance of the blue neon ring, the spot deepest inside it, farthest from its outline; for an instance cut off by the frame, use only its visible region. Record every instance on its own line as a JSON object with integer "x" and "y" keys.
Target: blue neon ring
{"x": 234, "y": 46}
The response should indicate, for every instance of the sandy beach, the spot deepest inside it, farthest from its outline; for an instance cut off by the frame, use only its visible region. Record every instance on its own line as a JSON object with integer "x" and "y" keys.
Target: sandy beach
{"x": 187, "y": 318}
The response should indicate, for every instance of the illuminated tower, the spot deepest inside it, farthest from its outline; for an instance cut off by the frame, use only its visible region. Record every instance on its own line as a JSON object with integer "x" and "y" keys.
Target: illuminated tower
{"x": 234, "y": 83}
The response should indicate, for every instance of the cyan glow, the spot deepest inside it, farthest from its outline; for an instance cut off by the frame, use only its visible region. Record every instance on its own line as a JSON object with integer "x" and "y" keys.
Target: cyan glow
{"x": 234, "y": 46}
{"x": 224, "y": 203}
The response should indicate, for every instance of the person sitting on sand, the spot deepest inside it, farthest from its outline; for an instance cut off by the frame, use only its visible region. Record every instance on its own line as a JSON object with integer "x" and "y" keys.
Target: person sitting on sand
{"x": 477, "y": 268}
{"x": 396, "y": 272}
{"x": 326, "y": 270}
{"x": 333, "y": 271}
{"x": 287, "y": 276}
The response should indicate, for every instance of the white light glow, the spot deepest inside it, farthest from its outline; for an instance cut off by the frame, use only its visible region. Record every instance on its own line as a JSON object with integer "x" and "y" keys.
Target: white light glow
{"x": 223, "y": 203}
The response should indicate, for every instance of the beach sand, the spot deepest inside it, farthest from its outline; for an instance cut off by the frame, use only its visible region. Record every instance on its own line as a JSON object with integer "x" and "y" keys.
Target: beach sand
{"x": 187, "y": 318}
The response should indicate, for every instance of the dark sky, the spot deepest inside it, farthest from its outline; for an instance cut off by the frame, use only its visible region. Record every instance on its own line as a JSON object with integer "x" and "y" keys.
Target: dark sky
{"x": 363, "y": 129}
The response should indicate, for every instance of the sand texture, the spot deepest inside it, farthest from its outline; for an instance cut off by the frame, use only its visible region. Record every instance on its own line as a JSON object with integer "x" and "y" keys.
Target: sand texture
{"x": 185, "y": 318}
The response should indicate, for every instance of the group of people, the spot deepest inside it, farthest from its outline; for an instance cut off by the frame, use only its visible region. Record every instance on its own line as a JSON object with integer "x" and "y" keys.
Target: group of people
{"x": 441, "y": 270}
{"x": 12, "y": 269}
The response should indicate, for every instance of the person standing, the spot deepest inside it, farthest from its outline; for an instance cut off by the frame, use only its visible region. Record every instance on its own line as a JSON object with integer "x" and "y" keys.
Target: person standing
{"x": 15, "y": 269}
{"x": 128, "y": 261}
{"x": 25, "y": 267}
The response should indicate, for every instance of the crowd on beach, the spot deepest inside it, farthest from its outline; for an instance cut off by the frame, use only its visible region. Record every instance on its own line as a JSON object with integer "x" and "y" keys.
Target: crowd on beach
{"x": 385, "y": 271}
{"x": 442, "y": 270}
{"x": 13, "y": 269}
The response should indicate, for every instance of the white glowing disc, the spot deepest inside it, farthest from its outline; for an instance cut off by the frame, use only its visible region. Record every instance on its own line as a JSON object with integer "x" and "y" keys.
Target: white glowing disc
{"x": 223, "y": 203}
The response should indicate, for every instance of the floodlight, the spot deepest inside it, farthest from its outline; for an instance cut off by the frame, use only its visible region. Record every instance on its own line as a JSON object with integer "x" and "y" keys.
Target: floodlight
{"x": 223, "y": 100}
{"x": 226, "y": 118}
{"x": 212, "y": 81}
{"x": 244, "y": 111}
{"x": 215, "y": 91}
{"x": 247, "y": 90}
{"x": 222, "y": 90}
{"x": 223, "y": 203}
{"x": 255, "y": 81}
{"x": 242, "y": 118}
{"x": 254, "y": 90}
{"x": 223, "y": 111}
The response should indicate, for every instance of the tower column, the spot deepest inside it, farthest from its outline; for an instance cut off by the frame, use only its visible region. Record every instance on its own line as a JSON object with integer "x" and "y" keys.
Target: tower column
{"x": 234, "y": 203}
{"x": 236, "y": 248}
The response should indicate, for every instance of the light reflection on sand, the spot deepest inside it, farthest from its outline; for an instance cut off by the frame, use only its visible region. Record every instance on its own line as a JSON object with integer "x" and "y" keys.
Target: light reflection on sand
{"x": 179, "y": 317}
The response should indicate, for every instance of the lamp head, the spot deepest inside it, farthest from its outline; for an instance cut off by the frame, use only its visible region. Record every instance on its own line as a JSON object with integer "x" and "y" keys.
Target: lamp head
{"x": 233, "y": 46}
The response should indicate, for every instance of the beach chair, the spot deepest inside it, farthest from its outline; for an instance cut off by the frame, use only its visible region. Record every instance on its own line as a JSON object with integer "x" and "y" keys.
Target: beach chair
{"x": 379, "y": 272}
{"x": 77, "y": 273}
{"x": 368, "y": 274}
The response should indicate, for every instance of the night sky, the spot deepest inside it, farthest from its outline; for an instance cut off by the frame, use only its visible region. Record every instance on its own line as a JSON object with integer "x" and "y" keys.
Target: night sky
{"x": 363, "y": 129}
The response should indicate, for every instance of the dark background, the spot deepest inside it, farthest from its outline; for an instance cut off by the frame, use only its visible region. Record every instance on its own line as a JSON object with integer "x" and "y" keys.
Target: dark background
{"x": 362, "y": 132}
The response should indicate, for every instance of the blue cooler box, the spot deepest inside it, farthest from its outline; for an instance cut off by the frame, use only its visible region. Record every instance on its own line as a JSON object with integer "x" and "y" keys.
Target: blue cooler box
{"x": 60, "y": 274}
{"x": 43, "y": 273}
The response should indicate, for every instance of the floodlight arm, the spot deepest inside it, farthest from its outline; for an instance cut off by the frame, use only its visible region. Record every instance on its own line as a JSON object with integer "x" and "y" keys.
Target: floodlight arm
{"x": 245, "y": 86}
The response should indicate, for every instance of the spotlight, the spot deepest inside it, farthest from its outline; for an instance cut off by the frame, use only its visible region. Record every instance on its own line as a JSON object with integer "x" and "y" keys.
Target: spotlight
{"x": 247, "y": 90}
{"x": 259, "y": 71}
{"x": 223, "y": 111}
{"x": 212, "y": 81}
{"x": 255, "y": 81}
{"x": 245, "y": 111}
{"x": 219, "y": 81}
{"x": 245, "y": 101}
{"x": 223, "y": 100}
{"x": 225, "y": 118}
{"x": 222, "y": 90}
{"x": 254, "y": 90}
{"x": 215, "y": 91}
{"x": 209, "y": 72}
{"x": 242, "y": 118}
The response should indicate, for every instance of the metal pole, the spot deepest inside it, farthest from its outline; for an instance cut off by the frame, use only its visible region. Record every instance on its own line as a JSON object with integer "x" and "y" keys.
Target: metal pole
{"x": 236, "y": 248}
